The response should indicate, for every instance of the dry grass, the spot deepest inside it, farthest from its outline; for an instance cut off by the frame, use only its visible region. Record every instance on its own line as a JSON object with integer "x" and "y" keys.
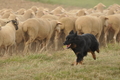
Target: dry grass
{"x": 56, "y": 66}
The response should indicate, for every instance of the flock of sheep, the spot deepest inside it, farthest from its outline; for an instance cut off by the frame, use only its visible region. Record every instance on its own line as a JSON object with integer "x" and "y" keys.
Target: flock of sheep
{"x": 41, "y": 29}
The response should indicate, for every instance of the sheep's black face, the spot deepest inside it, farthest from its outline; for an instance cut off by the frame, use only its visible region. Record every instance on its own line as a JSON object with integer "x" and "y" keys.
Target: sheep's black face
{"x": 15, "y": 23}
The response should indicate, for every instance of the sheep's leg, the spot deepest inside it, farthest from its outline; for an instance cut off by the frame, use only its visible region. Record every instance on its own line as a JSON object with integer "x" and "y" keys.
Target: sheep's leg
{"x": 6, "y": 51}
{"x": 46, "y": 42}
{"x": 26, "y": 48}
{"x": 14, "y": 49}
{"x": 115, "y": 35}
{"x": 57, "y": 35}
{"x": 37, "y": 46}
{"x": 105, "y": 36}
{"x": 43, "y": 45}
{"x": 98, "y": 37}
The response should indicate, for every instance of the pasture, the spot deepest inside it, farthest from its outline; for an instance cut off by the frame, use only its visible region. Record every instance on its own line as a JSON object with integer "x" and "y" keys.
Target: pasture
{"x": 56, "y": 65}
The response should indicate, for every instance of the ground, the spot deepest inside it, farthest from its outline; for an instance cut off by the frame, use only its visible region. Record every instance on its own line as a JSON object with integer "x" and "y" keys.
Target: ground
{"x": 17, "y": 4}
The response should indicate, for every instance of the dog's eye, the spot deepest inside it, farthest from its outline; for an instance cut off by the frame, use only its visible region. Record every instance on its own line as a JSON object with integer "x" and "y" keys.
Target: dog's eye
{"x": 69, "y": 39}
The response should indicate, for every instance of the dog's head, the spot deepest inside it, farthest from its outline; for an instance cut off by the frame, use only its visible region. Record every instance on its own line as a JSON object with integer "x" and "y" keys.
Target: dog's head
{"x": 70, "y": 39}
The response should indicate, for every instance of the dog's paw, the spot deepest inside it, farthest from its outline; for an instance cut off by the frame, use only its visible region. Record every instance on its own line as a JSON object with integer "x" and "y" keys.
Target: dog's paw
{"x": 77, "y": 63}
{"x": 74, "y": 63}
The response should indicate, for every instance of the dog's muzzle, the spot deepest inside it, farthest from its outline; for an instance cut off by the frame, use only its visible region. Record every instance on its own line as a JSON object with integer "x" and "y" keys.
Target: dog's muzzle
{"x": 68, "y": 46}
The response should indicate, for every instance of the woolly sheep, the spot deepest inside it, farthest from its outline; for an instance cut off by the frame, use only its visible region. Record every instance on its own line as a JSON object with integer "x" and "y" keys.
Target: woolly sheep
{"x": 7, "y": 35}
{"x": 58, "y": 10}
{"x": 40, "y": 29}
{"x": 28, "y": 14}
{"x": 89, "y": 24}
{"x": 67, "y": 24}
{"x": 20, "y": 11}
{"x": 112, "y": 22}
{"x": 99, "y": 7}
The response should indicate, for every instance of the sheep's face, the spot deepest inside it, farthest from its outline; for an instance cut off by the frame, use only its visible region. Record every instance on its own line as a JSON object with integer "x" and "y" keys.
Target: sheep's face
{"x": 15, "y": 22}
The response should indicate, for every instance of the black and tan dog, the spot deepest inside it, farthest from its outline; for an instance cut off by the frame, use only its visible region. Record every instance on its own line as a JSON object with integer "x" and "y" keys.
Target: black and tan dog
{"x": 81, "y": 45}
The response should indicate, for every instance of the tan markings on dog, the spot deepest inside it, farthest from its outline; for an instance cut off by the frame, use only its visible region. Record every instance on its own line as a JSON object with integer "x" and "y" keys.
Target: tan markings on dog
{"x": 73, "y": 46}
{"x": 98, "y": 50}
{"x": 81, "y": 62}
{"x": 77, "y": 53}
{"x": 76, "y": 63}
{"x": 93, "y": 55}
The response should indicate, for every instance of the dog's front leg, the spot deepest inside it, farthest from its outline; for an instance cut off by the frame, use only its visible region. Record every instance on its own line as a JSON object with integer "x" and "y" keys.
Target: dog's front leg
{"x": 79, "y": 60}
{"x": 76, "y": 63}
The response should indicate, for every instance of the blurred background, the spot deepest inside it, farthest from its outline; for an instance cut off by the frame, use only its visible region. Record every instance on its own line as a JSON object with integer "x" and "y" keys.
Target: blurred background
{"x": 80, "y": 3}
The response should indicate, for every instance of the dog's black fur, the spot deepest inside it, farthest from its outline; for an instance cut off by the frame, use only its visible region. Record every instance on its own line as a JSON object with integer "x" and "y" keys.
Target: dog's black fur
{"x": 81, "y": 44}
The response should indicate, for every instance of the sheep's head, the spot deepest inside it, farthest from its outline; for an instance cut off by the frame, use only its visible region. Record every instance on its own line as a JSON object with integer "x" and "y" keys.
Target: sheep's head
{"x": 15, "y": 22}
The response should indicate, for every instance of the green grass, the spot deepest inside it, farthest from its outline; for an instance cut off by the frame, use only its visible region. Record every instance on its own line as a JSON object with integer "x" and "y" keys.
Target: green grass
{"x": 57, "y": 66}
{"x": 80, "y": 3}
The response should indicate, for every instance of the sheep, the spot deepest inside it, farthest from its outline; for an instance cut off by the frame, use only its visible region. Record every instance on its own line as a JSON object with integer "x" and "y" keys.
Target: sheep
{"x": 81, "y": 13}
{"x": 28, "y": 14}
{"x": 20, "y": 11}
{"x": 58, "y": 10}
{"x": 89, "y": 24}
{"x": 5, "y": 15}
{"x": 39, "y": 13}
{"x": 12, "y": 17}
{"x": 34, "y": 8}
{"x": 7, "y": 35}
{"x": 38, "y": 29}
{"x": 99, "y": 7}
{"x": 50, "y": 17}
{"x": 67, "y": 24}
{"x": 3, "y": 22}
{"x": 112, "y": 22}
{"x": 5, "y": 12}
{"x": 19, "y": 37}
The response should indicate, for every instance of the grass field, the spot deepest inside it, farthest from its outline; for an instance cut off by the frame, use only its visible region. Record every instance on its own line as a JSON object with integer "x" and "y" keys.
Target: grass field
{"x": 80, "y": 3}
{"x": 57, "y": 66}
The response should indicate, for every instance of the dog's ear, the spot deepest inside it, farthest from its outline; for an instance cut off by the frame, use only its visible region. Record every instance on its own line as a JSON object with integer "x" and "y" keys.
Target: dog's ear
{"x": 71, "y": 32}
{"x": 75, "y": 34}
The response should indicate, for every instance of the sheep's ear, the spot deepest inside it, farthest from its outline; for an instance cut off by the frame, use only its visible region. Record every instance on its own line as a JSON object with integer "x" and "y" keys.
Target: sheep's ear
{"x": 71, "y": 32}
{"x": 103, "y": 5}
{"x": 59, "y": 23}
{"x": 95, "y": 6}
{"x": 7, "y": 21}
{"x": 15, "y": 19}
{"x": 106, "y": 18}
